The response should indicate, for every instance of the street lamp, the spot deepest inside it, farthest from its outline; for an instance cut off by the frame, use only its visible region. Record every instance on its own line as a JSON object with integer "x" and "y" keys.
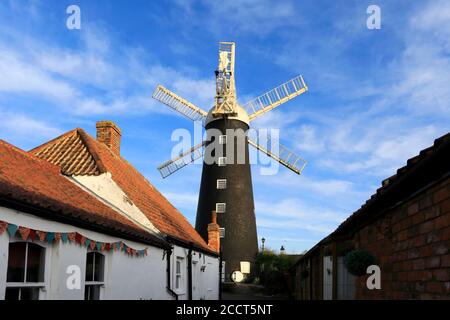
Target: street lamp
{"x": 263, "y": 240}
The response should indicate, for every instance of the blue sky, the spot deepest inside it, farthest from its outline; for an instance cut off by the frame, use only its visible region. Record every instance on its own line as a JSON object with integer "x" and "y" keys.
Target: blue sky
{"x": 375, "y": 99}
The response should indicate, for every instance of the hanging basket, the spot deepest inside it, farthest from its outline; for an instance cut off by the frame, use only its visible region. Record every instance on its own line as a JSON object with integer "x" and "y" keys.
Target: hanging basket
{"x": 357, "y": 261}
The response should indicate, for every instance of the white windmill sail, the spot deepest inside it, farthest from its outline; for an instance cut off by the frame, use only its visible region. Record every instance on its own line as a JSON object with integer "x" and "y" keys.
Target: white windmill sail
{"x": 179, "y": 104}
{"x": 187, "y": 157}
{"x": 275, "y": 97}
{"x": 277, "y": 151}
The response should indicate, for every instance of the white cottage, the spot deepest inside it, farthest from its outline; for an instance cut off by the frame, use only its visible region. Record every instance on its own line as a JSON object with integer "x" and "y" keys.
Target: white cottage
{"x": 74, "y": 207}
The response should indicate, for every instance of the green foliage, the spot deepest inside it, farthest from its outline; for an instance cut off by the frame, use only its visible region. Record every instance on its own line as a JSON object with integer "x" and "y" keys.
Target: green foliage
{"x": 273, "y": 269}
{"x": 357, "y": 261}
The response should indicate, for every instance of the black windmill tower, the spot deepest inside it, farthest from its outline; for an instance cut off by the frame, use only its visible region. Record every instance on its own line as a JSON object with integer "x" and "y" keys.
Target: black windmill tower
{"x": 226, "y": 184}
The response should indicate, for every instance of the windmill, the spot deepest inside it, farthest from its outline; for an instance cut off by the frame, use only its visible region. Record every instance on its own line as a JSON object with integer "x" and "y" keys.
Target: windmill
{"x": 226, "y": 186}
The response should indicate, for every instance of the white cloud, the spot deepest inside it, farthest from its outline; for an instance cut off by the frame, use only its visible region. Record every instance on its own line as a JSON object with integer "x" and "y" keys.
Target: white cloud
{"x": 17, "y": 126}
{"x": 257, "y": 17}
{"x": 182, "y": 200}
{"x": 292, "y": 213}
{"x": 21, "y": 76}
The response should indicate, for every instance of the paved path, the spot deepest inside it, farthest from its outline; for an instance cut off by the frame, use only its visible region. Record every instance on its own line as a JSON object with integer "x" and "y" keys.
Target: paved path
{"x": 234, "y": 291}
{"x": 250, "y": 296}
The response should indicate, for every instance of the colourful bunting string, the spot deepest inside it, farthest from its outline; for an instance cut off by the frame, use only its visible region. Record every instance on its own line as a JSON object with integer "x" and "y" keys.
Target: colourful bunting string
{"x": 68, "y": 237}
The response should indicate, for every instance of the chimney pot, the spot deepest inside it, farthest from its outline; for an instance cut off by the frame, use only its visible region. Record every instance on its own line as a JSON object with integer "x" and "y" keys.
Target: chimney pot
{"x": 109, "y": 134}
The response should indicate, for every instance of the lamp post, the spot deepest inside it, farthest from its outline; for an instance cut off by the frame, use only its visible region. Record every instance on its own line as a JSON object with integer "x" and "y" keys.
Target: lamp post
{"x": 262, "y": 247}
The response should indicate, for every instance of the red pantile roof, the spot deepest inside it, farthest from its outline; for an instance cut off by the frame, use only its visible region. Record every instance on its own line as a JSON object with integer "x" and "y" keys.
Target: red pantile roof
{"x": 80, "y": 154}
{"x": 28, "y": 181}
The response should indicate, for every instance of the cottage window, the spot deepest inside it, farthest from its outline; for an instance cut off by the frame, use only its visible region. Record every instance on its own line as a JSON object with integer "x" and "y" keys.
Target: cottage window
{"x": 179, "y": 273}
{"x": 95, "y": 270}
{"x": 25, "y": 275}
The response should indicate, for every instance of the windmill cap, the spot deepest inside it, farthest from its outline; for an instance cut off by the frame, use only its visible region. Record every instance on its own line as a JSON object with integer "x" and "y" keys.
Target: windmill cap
{"x": 240, "y": 115}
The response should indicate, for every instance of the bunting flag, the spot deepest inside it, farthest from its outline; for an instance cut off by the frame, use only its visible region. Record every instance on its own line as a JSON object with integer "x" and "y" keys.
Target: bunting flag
{"x": 24, "y": 232}
{"x": 50, "y": 237}
{"x": 32, "y": 235}
{"x": 41, "y": 235}
{"x": 12, "y": 229}
{"x": 57, "y": 237}
{"x": 71, "y": 236}
{"x": 3, "y": 227}
{"x": 64, "y": 237}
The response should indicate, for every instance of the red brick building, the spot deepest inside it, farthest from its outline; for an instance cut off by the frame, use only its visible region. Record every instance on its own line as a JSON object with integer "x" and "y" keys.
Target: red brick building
{"x": 405, "y": 225}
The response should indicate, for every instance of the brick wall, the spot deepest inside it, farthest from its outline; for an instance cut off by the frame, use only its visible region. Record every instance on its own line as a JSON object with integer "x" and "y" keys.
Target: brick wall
{"x": 411, "y": 244}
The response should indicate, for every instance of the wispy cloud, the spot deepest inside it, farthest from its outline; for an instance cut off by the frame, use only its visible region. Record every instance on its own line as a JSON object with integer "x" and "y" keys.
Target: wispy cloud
{"x": 256, "y": 17}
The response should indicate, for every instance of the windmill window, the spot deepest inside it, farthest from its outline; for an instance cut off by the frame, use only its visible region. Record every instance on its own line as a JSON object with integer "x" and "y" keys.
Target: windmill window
{"x": 223, "y": 139}
{"x": 25, "y": 274}
{"x": 95, "y": 270}
{"x": 222, "y": 161}
{"x": 221, "y": 207}
{"x": 221, "y": 183}
{"x": 222, "y": 232}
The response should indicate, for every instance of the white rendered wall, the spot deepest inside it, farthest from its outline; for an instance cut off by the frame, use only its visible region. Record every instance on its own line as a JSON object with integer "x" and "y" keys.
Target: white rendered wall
{"x": 126, "y": 277}
{"x": 205, "y": 284}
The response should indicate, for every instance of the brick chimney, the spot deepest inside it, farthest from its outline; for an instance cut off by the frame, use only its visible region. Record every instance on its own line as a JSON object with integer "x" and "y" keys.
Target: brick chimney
{"x": 109, "y": 134}
{"x": 214, "y": 233}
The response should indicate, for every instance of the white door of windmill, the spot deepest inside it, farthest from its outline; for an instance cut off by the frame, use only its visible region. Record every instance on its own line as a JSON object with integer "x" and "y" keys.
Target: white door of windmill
{"x": 327, "y": 278}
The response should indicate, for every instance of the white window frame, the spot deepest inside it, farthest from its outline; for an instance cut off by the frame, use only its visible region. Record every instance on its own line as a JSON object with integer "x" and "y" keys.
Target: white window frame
{"x": 179, "y": 275}
{"x": 223, "y": 139}
{"x": 100, "y": 284}
{"x": 222, "y": 161}
{"x": 42, "y": 286}
{"x": 221, "y": 184}
{"x": 222, "y": 233}
{"x": 221, "y": 204}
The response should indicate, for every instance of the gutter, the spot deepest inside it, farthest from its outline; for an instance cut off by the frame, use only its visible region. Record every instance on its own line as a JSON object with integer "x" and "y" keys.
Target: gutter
{"x": 186, "y": 244}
